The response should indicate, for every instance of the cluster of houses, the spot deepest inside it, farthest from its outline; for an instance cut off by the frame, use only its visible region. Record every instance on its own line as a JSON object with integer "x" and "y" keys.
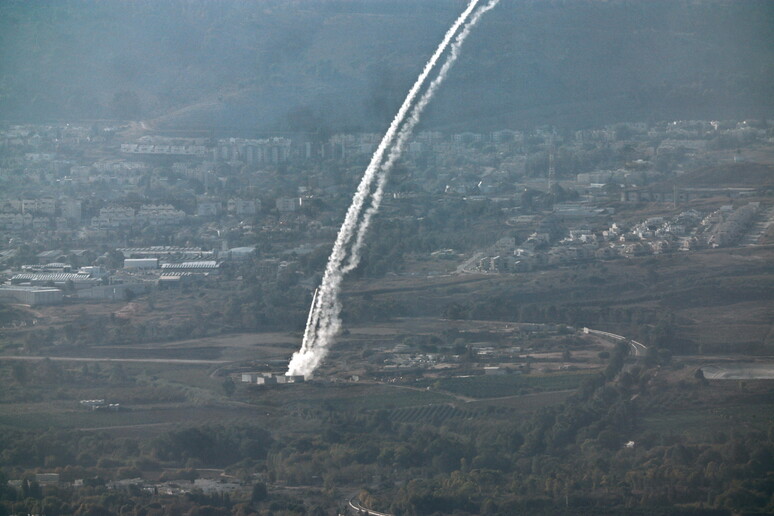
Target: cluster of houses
{"x": 264, "y": 151}
{"x": 207, "y": 486}
{"x": 100, "y": 405}
{"x": 62, "y": 200}
{"x": 727, "y": 225}
{"x": 655, "y": 235}
{"x": 143, "y": 268}
{"x": 402, "y": 358}
{"x": 36, "y": 214}
{"x": 111, "y": 217}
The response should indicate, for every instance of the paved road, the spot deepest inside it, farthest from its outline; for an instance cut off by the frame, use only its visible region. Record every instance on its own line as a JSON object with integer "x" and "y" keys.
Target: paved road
{"x": 739, "y": 371}
{"x": 124, "y": 427}
{"x": 638, "y": 349}
{"x": 355, "y": 508}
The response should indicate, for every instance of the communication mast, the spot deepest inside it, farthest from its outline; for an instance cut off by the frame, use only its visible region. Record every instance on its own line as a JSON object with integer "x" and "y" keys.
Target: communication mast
{"x": 551, "y": 166}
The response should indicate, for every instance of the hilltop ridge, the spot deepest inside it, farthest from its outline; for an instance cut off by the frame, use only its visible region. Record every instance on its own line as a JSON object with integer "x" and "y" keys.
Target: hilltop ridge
{"x": 334, "y": 65}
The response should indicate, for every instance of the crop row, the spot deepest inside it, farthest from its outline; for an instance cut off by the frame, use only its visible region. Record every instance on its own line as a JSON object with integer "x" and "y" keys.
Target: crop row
{"x": 435, "y": 414}
{"x": 509, "y": 385}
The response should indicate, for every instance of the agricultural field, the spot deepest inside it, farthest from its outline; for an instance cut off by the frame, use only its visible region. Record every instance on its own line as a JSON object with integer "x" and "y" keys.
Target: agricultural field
{"x": 353, "y": 398}
{"x": 496, "y": 386}
{"x": 159, "y": 418}
{"x": 706, "y": 423}
{"x": 708, "y": 410}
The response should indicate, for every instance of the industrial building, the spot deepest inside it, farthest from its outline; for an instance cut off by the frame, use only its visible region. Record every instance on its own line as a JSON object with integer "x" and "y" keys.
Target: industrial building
{"x": 240, "y": 253}
{"x": 174, "y": 279}
{"x": 165, "y": 252}
{"x": 32, "y": 296}
{"x": 141, "y": 263}
{"x": 60, "y": 279}
{"x": 289, "y": 378}
{"x": 209, "y": 267}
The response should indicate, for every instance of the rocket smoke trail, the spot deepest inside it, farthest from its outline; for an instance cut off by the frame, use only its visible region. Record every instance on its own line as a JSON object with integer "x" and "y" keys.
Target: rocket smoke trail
{"x": 316, "y": 341}
{"x": 405, "y": 134}
{"x": 323, "y": 321}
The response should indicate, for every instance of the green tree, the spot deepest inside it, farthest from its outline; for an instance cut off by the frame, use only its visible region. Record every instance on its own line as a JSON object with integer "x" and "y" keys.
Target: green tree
{"x": 20, "y": 372}
{"x": 260, "y": 493}
{"x": 229, "y": 386}
{"x": 455, "y": 311}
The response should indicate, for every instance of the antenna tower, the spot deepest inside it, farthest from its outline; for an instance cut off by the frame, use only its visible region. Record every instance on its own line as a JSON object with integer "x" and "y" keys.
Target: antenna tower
{"x": 551, "y": 166}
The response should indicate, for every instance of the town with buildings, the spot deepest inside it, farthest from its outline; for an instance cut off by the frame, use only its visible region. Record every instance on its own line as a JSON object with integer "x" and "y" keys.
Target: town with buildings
{"x": 93, "y": 213}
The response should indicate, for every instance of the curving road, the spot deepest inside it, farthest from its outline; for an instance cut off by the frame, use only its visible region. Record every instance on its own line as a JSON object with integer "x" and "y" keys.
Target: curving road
{"x": 355, "y": 508}
{"x": 638, "y": 349}
{"x": 739, "y": 371}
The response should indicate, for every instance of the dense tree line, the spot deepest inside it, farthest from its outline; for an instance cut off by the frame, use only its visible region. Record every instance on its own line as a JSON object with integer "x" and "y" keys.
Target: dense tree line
{"x": 212, "y": 446}
{"x": 570, "y": 457}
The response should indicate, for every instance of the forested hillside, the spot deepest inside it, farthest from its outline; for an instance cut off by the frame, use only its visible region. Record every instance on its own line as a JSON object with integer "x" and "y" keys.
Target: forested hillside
{"x": 280, "y": 65}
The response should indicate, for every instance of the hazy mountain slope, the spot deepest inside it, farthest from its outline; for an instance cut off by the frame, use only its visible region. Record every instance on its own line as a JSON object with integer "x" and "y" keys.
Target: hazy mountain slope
{"x": 299, "y": 65}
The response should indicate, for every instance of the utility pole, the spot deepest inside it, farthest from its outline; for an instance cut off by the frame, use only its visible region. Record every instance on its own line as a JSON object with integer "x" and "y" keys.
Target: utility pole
{"x": 551, "y": 166}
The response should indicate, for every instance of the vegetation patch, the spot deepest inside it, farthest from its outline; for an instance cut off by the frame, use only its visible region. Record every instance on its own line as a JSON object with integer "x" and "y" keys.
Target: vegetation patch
{"x": 706, "y": 422}
{"x": 509, "y": 385}
{"x": 383, "y": 397}
{"x": 434, "y": 414}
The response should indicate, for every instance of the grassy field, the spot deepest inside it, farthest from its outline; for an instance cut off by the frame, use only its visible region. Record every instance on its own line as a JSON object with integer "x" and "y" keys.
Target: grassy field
{"x": 526, "y": 403}
{"x": 57, "y": 416}
{"x": 346, "y": 397}
{"x": 703, "y": 423}
{"x": 496, "y": 386}
{"x": 192, "y": 376}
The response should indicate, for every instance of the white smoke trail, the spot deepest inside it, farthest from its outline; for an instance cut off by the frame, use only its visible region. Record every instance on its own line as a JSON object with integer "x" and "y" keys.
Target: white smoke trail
{"x": 307, "y": 358}
{"x": 332, "y": 279}
{"x": 324, "y": 322}
{"x": 311, "y": 308}
{"x": 405, "y": 134}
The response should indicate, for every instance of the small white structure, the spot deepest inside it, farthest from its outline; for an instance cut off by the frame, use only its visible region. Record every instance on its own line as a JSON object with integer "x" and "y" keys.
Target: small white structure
{"x": 93, "y": 404}
{"x": 290, "y": 378}
{"x": 270, "y": 379}
{"x": 266, "y": 380}
{"x": 493, "y": 370}
{"x": 47, "y": 479}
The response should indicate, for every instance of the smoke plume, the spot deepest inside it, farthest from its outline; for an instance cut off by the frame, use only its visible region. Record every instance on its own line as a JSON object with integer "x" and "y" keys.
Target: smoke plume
{"x": 324, "y": 322}
{"x": 405, "y": 133}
